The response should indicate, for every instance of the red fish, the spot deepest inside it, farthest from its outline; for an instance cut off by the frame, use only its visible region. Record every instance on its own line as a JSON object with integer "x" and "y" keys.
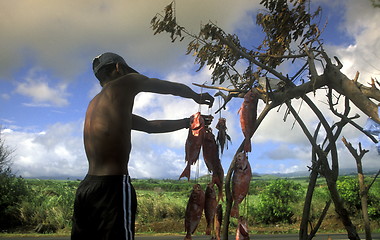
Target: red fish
{"x": 218, "y": 221}
{"x": 217, "y": 178}
{"x": 210, "y": 150}
{"x": 212, "y": 160}
{"x": 240, "y": 181}
{"x": 248, "y": 115}
{"x": 242, "y": 232}
{"x": 194, "y": 210}
{"x": 210, "y": 207}
{"x": 222, "y": 137}
{"x": 193, "y": 142}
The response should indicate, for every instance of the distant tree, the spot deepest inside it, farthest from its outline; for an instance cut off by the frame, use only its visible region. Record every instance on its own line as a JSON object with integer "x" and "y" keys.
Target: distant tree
{"x": 12, "y": 189}
{"x": 274, "y": 205}
{"x": 5, "y": 155}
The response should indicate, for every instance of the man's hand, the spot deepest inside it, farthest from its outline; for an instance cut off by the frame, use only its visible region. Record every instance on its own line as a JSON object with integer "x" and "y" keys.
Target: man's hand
{"x": 205, "y": 98}
{"x": 208, "y": 119}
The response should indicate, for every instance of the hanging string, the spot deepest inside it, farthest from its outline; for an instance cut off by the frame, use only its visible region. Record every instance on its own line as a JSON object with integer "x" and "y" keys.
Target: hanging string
{"x": 246, "y": 202}
{"x": 220, "y": 112}
{"x": 248, "y": 199}
{"x": 197, "y": 172}
{"x": 200, "y": 105}
{"x": 246, "y": 205}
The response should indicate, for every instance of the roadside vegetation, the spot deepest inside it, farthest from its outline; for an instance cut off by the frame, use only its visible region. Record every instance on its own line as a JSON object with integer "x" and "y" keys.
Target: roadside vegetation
{"x": 274, "y": 205}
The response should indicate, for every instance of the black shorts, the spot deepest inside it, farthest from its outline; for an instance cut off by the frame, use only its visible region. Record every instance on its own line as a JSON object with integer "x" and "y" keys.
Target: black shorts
{"x": 104, "y": 208}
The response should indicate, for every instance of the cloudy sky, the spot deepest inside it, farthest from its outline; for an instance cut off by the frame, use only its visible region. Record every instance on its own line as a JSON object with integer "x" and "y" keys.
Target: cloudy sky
{"x": 46, "y": 81}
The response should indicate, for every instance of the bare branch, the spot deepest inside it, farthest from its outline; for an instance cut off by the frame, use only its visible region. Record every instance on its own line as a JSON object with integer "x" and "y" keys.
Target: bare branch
{"x": 374, "y": 179}
{"x": 345, "y": 117}
{"x": 217, "y": 88}
{"x": 312, "y": 68}
{"x": 356, "y": 77}
{"x": 353, "y": 151}
{"x": 320, "y": 220}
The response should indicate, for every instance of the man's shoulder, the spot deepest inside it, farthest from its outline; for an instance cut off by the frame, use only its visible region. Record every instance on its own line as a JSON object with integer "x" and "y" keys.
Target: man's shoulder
{"x": 131, "y": 83}
{"x": 131, "y": 78}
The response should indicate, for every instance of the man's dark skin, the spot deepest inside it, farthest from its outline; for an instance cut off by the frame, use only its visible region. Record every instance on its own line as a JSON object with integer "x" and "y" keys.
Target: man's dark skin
{"x": 109, "y": 119}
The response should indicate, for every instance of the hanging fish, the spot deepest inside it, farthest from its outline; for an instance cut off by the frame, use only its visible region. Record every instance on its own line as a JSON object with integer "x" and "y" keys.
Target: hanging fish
{"x": 210, "y": 207}
{"x": 218, "y": 221}
{"x": 242, "y": 232}
{"x": 193, "y": 142}
{"x": 248, "y": 115}
{"x": 217, "y": 178}
{"x": 240, "y": 181}
{"x": 212, "y": 160}
{"x": 222, "y": 137}
{"x": 194, "y": 210}
{"x": 210, "y": 150}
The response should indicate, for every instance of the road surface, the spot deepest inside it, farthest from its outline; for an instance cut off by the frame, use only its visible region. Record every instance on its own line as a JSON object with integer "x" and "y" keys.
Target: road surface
{"x": 375, "y": 236}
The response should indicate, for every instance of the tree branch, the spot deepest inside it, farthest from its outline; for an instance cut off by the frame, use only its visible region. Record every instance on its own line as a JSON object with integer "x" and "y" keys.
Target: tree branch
{"x": 217, "y": 88}
{"x": 374, "y": 179}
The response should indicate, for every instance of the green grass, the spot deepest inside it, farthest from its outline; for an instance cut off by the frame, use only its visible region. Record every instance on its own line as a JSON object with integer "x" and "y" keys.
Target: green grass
{"x": 162, "y": 204}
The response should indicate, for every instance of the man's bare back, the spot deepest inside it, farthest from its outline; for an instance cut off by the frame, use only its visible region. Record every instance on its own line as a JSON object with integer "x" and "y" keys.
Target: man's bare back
{"x": 107, "y": 130}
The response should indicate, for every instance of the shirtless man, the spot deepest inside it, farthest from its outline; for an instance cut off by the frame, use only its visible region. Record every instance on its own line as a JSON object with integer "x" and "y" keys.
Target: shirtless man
{"x": 105, "y": 203}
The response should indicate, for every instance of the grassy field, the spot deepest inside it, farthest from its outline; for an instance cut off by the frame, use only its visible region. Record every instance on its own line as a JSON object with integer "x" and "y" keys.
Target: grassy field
{"x": 48, "y": 205}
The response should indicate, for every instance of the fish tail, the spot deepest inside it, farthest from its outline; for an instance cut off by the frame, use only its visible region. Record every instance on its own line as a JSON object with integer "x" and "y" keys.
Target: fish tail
{"x": 188, "y": 237}
{"x": 247, "y": 145}
{"x": 220, "y": 196}
{"x": 235, "y": 211}
{"x": 186, "y": 172}
{"x": 208, "y": 230}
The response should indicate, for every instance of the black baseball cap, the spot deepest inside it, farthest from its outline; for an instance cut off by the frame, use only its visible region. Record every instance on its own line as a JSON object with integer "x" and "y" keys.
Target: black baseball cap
{"x": 109, "y": 58}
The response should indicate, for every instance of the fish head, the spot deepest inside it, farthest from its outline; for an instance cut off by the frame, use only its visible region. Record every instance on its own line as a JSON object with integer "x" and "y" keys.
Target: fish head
{"x": 197, "y": 187}
{"x": 208, "y": 135}
{"x": 210, "y": 190}
{"x": 241, "y": 161}
{"x": 197, "y": 124}
{"x": 196, "y": 120}
{"x": 197, "y": 195}
{"x": 221, "y": 125}
{"x": 243, "y": 226}
{"x": 252, "y": 96}
{"x": 248, "y": 97}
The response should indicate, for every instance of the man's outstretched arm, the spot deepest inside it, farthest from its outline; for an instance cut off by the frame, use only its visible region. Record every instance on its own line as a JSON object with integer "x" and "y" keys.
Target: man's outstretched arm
{"x": 163, "y": 126}
{"x": 178, "y": 89}
{"x": 158, "y": 126}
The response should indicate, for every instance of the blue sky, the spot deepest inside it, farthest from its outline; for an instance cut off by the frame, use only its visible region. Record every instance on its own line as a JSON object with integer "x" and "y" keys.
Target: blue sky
{"x": 46, "y": 81}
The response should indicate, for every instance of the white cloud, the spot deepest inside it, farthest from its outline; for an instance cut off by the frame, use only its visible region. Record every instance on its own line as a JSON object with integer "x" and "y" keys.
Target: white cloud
{"x": 64, "y": 37}
{"x": 360, "y": 22}
{"x": 5, "y": 96}
{"x": 56, "y": 152}
{"x": 36, "y": 87}
{"x": 162, "y": 163}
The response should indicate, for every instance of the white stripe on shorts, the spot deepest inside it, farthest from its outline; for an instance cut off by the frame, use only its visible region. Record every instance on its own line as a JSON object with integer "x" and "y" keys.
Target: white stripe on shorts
{"x": 127, "y": 207}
